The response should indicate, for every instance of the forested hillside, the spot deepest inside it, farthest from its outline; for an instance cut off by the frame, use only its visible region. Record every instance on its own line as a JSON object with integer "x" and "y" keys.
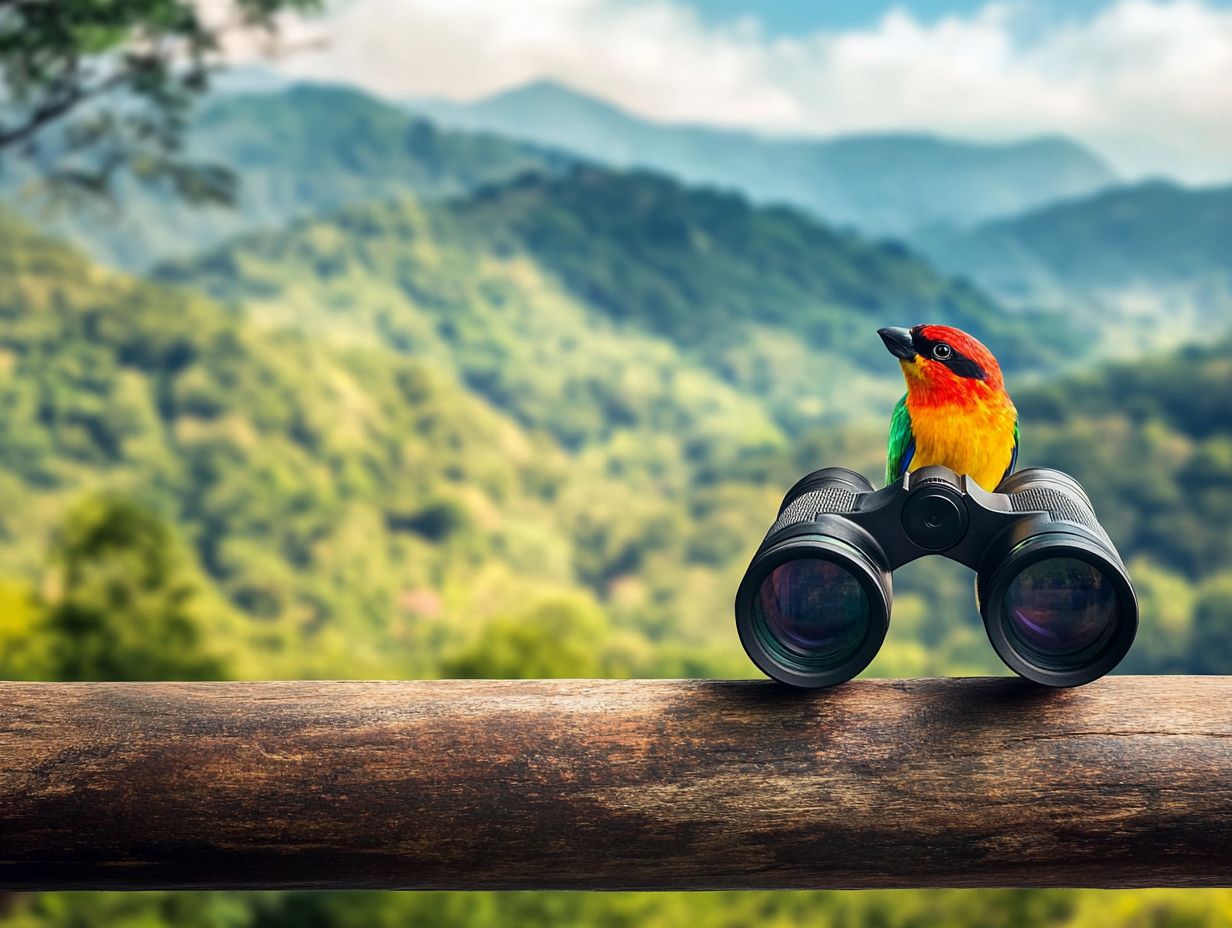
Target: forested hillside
{"x": 1154, "y": 232}
{"x": 579, "y": 288}
{"x": 379, "y": 415}
{"x": 348, "y": 510}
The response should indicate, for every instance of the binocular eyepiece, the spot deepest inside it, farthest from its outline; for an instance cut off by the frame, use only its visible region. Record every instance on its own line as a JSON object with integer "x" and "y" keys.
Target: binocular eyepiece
{"x": 814, "y": 605}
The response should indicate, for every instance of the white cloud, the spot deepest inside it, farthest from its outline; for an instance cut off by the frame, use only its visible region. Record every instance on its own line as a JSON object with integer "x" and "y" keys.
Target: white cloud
{"x": 1147, "y": 82}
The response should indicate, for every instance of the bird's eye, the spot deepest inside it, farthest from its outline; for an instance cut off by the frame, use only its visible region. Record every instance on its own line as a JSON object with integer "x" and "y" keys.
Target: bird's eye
{"x": 942, "y": 351}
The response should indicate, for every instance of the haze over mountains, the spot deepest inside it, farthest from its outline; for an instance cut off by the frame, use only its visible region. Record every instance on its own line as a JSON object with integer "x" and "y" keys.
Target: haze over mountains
{"x": 1124, "y": 257}
{"x": 1155, "y": 232}
{"x": 303, "y": 148}
{"x": 297, "y": 150}
{"x": 1153, "y": 259}
{"x": 890, "y": 183}
{"x": 1040, "y": 222}
{"x": 1034, "y": 223}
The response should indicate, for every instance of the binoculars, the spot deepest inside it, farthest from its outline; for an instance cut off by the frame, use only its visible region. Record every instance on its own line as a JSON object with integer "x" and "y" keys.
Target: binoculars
{"x": 814, "y": 604}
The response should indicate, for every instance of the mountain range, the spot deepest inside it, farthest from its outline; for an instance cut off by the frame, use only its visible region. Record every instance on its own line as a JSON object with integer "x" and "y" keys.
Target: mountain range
{"x": 1129, "y": 267}
{"x": 1153, "y": 259}
{"x": 1156, "y": 232}
{"x": 884, "y": 184}
{"x": 551, "y": 272}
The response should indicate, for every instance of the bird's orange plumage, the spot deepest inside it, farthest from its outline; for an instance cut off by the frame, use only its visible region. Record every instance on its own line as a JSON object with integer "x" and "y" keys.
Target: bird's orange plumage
{"x": 968, "y": 425}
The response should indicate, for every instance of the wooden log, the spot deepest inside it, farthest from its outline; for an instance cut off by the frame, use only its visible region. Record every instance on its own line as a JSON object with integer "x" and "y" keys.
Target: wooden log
{"x": 616, "y": 785}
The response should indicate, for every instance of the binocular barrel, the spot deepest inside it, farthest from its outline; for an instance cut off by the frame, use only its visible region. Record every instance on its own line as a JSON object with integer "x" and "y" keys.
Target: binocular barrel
{"x": 814, "y": 606}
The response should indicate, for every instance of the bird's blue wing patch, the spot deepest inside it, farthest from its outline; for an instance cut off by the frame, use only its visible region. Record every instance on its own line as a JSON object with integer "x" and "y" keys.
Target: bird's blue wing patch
{"x": 907, "y": 456}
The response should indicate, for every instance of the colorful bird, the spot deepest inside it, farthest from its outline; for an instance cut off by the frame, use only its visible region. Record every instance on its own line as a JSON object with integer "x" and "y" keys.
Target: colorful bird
{"x": 955, "y": 412}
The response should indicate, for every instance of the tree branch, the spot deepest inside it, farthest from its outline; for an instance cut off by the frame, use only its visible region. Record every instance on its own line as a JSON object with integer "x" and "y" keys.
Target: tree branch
{"x": 49, "y": 112}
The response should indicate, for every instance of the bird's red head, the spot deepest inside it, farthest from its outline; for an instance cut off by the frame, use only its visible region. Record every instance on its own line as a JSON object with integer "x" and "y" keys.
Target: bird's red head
{"x": 943, "y": 364}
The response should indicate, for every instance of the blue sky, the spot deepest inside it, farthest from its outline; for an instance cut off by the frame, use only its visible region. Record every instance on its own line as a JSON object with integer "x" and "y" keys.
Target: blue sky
{"x": 793, "y": 17}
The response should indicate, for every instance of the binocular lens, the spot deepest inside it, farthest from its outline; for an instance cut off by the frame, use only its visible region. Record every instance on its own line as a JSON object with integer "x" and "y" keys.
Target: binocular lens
{"x": 811, "y": 613}
{"x": 1061, "y": 608}
{"x": 814, "y": 605}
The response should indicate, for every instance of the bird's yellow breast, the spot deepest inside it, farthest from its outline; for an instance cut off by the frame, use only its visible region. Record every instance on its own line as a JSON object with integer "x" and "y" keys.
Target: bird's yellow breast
{"x": 975, "y": 439}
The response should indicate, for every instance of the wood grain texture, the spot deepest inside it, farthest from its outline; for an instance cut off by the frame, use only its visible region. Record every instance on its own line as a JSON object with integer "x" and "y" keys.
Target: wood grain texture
{"x": 614, "y": 785}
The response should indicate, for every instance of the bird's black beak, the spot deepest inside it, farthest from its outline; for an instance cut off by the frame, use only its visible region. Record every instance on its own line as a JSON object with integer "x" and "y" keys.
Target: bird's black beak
{"x": 898, "y": 341}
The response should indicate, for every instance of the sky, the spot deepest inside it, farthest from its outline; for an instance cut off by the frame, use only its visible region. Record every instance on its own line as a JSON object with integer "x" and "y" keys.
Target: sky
{"x": 1146, "y": 83}
{"x": 793, "y": 16}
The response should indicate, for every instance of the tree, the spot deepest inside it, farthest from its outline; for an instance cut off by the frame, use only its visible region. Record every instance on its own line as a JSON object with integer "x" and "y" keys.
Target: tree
{"x": 127, "y": 605}
{"x": 561, "y": 635}
{"x": 23, "y": 647}
{"x": 127, "y": 72}
{"x": 1211, "y": 647}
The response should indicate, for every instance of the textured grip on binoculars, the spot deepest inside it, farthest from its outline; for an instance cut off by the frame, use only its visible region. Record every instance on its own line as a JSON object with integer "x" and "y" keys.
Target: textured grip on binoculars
{"x": 1059, "y": 505}
{"x": 808, "y": 506}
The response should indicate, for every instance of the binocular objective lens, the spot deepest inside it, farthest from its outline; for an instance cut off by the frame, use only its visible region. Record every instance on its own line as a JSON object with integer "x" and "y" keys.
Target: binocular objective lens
{"x": 812, "y": 613}
{"x": 1060, "y": 608}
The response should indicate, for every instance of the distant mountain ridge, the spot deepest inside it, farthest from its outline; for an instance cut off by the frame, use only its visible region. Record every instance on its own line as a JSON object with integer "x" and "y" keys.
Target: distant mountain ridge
{"x": 1157, "y": 254}
{"x": 308, "y": 148}
{"x": 1153, "y": 232}
{"x": 889, "y": 183}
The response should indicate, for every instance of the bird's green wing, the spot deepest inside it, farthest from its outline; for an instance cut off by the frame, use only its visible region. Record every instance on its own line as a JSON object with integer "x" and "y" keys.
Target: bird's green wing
{"x": 902, "y": 442}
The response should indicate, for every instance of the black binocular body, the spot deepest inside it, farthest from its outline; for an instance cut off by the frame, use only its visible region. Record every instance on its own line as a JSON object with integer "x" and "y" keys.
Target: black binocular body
{"x": 814, "y": 605}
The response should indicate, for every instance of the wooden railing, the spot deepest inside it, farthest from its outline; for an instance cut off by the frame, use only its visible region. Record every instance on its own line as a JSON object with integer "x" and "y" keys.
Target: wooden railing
{"x": 591, "y": 784}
